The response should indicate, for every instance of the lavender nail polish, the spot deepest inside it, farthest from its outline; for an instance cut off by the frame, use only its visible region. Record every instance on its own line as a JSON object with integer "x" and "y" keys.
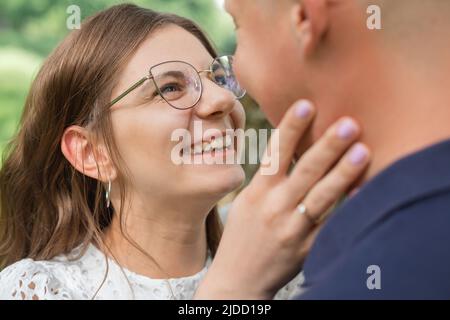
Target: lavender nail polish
{"x": 358, "y": 155}
{"x": 346, "y": 129}
{"x": 303, "y": 109}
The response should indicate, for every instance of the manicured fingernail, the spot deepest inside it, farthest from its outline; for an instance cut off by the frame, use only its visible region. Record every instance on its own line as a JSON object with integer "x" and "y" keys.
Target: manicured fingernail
{"x": 303, "y": 109}
{"x": 358, "y": 155}
{"x": 346, "y": 129}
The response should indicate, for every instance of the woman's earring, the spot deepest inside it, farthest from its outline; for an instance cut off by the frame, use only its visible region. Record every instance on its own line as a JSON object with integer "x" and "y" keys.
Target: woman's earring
{"x": 108, "y": 194}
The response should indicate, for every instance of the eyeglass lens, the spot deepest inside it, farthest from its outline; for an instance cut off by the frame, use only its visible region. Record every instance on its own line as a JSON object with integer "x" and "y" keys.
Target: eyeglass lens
{"x": 180, "y": 85}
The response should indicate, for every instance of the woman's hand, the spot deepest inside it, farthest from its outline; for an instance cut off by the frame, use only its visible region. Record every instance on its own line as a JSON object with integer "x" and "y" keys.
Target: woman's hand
{"x": 268, "y": 232}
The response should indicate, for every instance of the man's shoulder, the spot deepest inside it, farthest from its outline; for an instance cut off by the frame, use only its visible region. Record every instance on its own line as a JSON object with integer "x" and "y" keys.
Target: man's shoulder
{"x": 409, "y": 248}
{"x": 428, "y": 216}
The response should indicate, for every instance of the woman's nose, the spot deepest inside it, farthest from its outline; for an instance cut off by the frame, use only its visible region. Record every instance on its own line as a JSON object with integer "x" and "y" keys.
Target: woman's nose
{"x": 216, "y": 102}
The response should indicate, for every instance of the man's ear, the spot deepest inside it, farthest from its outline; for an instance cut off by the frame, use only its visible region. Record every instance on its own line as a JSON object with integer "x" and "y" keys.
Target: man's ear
{"x": 310, "y": 21}
{"x": 93, "y": 161}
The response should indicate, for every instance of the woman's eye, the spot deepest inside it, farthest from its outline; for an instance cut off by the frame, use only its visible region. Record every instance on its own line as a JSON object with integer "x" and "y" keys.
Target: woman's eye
{"x": 166, "y": 90}
{"x": 169, "y": 88}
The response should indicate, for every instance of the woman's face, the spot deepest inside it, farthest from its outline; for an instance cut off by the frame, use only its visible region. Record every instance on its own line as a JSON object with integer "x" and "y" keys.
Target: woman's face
{"x": 143, "y": 124}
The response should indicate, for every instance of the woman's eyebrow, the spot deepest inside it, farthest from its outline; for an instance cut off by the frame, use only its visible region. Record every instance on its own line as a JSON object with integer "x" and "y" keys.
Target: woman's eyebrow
{"x": 173, "y": 74}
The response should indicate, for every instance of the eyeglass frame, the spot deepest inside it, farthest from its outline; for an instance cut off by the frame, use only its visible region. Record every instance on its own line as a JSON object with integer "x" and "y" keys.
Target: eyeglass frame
{"x": 151, "y": 77}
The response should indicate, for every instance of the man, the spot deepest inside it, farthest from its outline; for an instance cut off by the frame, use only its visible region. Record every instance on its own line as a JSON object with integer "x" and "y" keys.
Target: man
{"x": 392, "y": 239}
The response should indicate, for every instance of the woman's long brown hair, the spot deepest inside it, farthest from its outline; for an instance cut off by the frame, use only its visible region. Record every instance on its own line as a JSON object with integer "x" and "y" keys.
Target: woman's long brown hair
{"x": 47, "y": 207}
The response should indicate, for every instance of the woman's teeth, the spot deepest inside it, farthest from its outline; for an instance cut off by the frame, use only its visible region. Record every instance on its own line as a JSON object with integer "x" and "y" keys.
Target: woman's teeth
{"x": 219, "y": 143}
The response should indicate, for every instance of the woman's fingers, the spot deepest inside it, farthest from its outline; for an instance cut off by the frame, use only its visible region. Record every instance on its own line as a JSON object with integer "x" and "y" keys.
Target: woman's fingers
{"x": 283, "y": 143}
{"x": 331, "y": 188}
{"x": 318, "y": 160}
{"x": 266, "y": 211}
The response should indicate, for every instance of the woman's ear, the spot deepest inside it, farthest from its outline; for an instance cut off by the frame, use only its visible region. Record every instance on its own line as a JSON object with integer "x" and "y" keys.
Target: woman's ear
{"x": 86, "y": 157}
{"x": 309, "y": 20}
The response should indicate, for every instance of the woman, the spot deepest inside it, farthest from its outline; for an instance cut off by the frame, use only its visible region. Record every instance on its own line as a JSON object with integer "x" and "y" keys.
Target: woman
{"x": 92, "y": 204}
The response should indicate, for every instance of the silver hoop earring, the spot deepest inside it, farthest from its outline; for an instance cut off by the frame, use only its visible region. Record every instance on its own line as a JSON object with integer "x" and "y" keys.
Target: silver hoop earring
{"x": 108, "y": 194}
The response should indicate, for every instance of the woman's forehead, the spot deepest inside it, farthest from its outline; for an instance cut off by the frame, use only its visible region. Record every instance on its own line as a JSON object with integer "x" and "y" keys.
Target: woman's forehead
{"x": 170, "y": 43}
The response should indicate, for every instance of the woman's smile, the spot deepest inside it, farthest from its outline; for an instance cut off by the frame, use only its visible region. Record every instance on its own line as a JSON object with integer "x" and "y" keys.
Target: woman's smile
{"x": 211, "y": 143}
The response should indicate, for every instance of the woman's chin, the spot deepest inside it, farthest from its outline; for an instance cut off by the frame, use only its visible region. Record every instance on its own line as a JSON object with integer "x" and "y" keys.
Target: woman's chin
{"x": 235, "y": 180}
{"x": 221, "y": 181}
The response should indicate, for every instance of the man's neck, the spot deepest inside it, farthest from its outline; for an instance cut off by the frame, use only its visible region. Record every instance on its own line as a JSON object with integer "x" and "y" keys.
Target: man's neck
{"x": 402, "y": 109}
{"x": 414, "y": 115}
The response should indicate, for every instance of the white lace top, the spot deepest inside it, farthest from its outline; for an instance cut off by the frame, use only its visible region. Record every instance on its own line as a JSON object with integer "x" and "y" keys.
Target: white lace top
{"x": 65, "y": 278}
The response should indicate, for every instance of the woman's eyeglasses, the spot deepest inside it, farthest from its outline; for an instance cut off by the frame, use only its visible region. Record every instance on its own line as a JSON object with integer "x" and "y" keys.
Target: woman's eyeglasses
{"x": 180, "y": 85}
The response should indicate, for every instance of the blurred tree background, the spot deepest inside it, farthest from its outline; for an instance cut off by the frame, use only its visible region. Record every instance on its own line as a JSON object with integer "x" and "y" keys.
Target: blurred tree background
{"x": 30, "y": 29}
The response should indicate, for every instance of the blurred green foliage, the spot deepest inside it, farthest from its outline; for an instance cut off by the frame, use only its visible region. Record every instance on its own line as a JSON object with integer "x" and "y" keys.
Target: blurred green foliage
{"x": 30, "y": 29}
{"x": 37, "y": 25}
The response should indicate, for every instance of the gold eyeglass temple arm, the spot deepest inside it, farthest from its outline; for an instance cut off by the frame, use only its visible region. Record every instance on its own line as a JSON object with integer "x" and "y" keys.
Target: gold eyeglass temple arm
{"x": 133, "y": 87}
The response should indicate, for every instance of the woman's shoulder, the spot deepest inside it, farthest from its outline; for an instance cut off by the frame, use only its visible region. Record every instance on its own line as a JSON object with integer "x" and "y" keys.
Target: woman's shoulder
{"x": 28, "y": 279}
{"x": 65, "y": 276}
